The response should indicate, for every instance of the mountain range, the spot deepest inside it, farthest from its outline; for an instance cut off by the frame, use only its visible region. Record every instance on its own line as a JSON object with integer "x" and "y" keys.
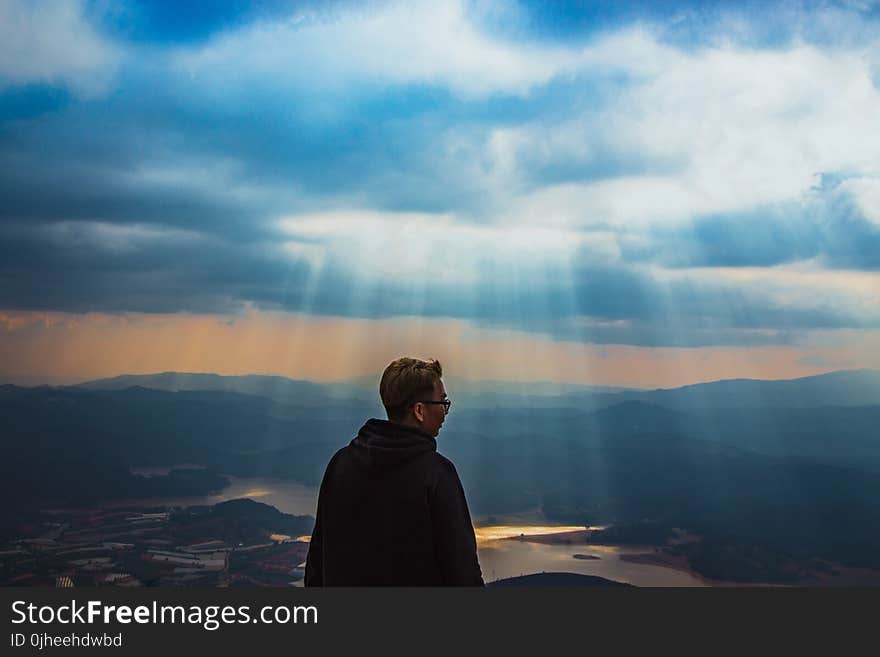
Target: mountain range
{"x": 791, "y": 465}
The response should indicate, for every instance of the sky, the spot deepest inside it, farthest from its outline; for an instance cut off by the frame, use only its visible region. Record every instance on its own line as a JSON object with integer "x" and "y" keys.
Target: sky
{"x": 611, "y": 193}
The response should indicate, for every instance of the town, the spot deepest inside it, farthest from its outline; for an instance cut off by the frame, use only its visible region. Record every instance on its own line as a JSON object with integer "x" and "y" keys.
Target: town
{"x": 234, "y": 543}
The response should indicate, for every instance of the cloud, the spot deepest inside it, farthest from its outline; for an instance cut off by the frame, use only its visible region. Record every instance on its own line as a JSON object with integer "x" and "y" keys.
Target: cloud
{"x": 54, "y": 43}
{"x": 719, "y": 130}
{"x": 564, "y": 285}
{"x": 866, "y": 193}
{"x": 433, "y": 43}
{"x": 620, "y": 129}
{"x": 402, "y": 246}
{"x": 830, "y": 227}
{"x": 417, "y": 160}
{"x": 83, "y": 266}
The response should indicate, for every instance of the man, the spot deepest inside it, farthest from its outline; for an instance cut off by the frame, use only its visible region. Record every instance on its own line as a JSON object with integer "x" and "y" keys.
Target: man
{"x": 391, "y": 509}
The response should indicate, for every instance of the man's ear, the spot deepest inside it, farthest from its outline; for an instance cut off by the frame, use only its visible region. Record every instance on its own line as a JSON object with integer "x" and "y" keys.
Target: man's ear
{"x": 419, "y": 411}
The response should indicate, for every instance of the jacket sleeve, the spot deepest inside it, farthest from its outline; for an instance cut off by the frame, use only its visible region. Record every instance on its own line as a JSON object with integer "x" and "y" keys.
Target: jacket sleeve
{"x": 454, "y": 542}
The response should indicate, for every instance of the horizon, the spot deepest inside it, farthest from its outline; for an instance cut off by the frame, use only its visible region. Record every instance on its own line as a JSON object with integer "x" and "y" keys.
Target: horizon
{"x": 488, "y": 383}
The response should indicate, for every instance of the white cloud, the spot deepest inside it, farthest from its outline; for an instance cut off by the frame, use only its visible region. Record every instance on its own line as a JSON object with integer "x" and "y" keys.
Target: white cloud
{"x": 802, "y": 286}
{"x": 403, "y": 245}
{"x": 727, "y": 130}
{"x": 717, "y": 129}
{"x": 433, "y": 43}
{"x": 52, "y": 42}
{"x": 866, "y": 192}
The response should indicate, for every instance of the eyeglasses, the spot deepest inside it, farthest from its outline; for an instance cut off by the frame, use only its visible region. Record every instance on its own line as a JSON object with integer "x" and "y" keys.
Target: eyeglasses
{"x": 447, "y": 403}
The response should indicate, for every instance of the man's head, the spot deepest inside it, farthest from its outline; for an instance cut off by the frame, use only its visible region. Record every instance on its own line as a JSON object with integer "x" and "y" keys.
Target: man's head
{"x": 413, "y": 393}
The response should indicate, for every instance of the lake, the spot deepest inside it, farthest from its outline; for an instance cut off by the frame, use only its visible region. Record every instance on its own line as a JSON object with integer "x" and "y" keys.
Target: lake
{"x": 501, "y": 558}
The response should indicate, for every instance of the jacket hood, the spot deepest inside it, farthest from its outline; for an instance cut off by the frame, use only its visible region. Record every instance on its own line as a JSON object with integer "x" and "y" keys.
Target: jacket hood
{"x": 381, "y": 444}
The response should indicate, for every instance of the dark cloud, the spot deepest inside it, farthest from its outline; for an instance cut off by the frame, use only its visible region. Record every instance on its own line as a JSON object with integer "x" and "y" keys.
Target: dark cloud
{"x": 168, "y": 274}
{"x": 171, "y": 273}
{"x": 829, "y": 227}
{"x": 158, "y": 152}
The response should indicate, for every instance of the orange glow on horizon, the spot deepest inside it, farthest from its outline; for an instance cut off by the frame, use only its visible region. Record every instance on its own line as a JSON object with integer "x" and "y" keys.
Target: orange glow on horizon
{"x": 56, "y": 348}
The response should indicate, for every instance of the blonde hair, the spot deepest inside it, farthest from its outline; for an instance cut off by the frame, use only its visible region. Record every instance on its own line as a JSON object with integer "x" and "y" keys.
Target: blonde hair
{"x": 405, "y": 381}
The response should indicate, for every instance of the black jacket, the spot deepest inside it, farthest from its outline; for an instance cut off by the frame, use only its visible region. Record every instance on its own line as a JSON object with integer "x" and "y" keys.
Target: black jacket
{"x": 392, "y": 512}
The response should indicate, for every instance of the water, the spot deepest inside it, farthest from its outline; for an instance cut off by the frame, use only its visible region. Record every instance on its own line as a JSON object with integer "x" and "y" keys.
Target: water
{"x": 511, "y": 558}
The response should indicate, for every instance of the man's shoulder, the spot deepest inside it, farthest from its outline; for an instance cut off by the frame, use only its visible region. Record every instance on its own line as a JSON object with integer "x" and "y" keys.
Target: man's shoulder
{"x": 338, "y": 458}
{"x": 443, "y": 462}
{"x": 340, "y": 453}
{"x": 443, "y": 467}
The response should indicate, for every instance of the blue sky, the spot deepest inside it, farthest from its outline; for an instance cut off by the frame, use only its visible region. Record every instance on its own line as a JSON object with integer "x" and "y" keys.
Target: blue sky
{"x": 648, "y": 174}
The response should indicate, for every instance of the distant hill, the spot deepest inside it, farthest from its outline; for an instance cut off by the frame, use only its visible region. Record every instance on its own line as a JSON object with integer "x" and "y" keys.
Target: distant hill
{"x": 636, "y": 417}
{"x": 556, "y": 579}
{"x": 277, "y": 388}
{"x": 80, "y": 445}
{"x": 245, "y": 519}
{"x": 842, "y": 388}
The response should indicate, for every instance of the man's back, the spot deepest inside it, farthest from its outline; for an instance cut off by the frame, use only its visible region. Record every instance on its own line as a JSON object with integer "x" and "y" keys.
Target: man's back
{"x": 392, "y": 512}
